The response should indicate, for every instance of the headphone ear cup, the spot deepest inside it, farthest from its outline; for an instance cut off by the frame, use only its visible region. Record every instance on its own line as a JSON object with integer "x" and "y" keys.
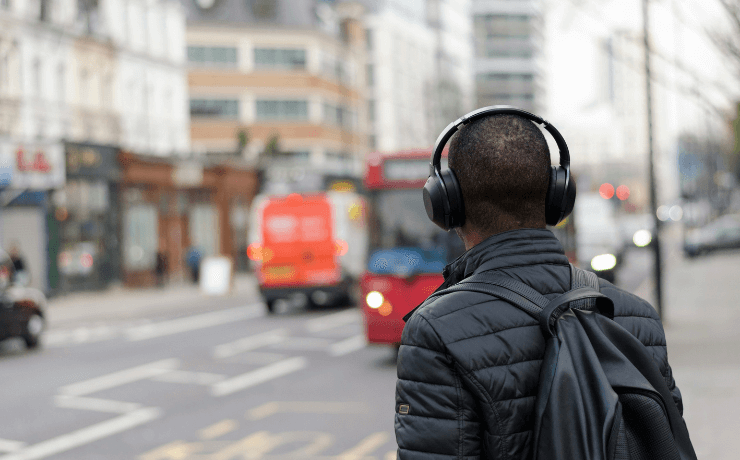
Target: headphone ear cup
{"x": 554, "y": 199}
{"x": 455, "y": 198}
{"x": 570, "y": 198}
{"x": 433, "y": 201}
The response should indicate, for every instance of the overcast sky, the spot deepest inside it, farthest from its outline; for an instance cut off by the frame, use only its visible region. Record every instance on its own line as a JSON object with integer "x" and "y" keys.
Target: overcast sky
{"x": 574, "y": 28}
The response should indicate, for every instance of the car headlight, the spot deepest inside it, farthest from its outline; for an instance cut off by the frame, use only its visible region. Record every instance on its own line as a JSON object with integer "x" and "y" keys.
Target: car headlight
{"x": 603, "y": 262}
{"x": 374, "y": 299}
{"x": 642, "y": 238}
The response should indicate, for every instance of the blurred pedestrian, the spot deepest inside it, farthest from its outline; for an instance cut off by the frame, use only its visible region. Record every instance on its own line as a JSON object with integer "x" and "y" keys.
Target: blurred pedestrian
{"x": 20, "y": 273}
{"x": 469, "y": 362}
{"x": 193, "y": 259}
{"x": 160, "y": 269}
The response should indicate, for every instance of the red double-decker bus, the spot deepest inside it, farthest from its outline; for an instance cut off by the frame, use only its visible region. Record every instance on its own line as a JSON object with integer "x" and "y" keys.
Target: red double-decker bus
{"x": 407, "y": 251}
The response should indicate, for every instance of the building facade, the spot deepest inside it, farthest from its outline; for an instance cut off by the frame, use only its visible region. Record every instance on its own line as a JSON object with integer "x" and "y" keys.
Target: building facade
{"x": 419, "y": 72}
{"x": 452, "y": 24}
{"x": 508, "y": 53}
{"x": 78, "y": 81}
{"x": 281, "y": 84}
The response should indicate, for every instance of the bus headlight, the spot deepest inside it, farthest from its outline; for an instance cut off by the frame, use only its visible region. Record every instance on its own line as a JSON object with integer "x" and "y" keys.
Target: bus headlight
{"x": 642, "y": 238}
{"x": 603, "y": 262}
{"x": 374, "y": 299}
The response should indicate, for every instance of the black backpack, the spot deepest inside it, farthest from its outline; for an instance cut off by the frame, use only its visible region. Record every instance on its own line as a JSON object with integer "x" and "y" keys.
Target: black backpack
{"x": 600, "y": 395}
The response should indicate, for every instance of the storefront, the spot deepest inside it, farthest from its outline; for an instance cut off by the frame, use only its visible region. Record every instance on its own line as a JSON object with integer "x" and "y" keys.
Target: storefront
{"x": 87, "y": 214}
{"x": 170, "y": 206}
{"x": 29, "y": 171}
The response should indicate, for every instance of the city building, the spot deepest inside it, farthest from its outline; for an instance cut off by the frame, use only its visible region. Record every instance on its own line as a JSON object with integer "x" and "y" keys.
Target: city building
{"x": 281, "y": 83}
{"x": 452, "y": 24}
{"x": 419, "y": 70}
{"x": 509, "y": 53}
{"x": 401, "y": 76}
{"x": 79, "y": 81}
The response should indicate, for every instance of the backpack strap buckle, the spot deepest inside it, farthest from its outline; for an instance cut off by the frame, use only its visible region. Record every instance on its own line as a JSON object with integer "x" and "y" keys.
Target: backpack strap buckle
{"x": 552, "y": 311}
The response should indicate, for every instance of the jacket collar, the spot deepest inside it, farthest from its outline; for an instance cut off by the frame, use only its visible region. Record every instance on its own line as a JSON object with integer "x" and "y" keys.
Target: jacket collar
{"x": 529, "y": 246}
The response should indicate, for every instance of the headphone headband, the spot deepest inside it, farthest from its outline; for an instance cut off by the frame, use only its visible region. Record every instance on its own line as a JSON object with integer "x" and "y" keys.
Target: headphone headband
{"x": 453, "y": 127}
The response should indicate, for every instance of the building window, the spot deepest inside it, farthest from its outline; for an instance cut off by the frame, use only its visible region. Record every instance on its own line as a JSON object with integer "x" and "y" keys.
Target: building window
{"x": 44, "y": 10}
{"x": 299, "y": 156}
{"x": 370, "y": 75}
{"x": 212, "y": 55}
{"x": 140, "y": 237}
{"x": 369, "y": 37}
{"x": 214, "y": 108}
{"x": 204, "y": 229}
{"x": 491, "y": 26}
{"x": 106, "y": 90}
{"x": 371, "y": 110}
{"x": 5, "y": 4}
{"x": 62, "y": 88}
{"x": 264, "y": 9}
{"x": 505, "y": 77}
{"x": 275, "y": 58}
{"x": 268, "y": 110}
{"x": 84, "y": 86}
{"x": 339, "y": 116}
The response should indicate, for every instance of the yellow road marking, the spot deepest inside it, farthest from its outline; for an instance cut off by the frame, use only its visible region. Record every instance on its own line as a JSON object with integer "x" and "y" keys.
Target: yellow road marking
{"x": 310, "y": 407}
{"x": 176, "y": 450}
{"x": 218, "y": 429}
{"x": 256, "y": 445}
{"x": 365, "y": 447}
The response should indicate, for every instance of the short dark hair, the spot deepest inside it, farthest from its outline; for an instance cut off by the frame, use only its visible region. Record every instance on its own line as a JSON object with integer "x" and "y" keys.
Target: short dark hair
{"x": 503, "y": 165}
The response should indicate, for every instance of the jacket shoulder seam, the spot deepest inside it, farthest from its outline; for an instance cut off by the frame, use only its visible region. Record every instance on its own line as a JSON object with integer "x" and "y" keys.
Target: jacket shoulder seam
{"x": 493, "y": 332}
{"x": 506, "y": 365}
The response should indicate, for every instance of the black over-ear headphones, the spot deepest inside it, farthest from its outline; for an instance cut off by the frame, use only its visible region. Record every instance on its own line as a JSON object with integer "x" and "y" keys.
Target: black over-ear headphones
{"x": 443, "y": 198}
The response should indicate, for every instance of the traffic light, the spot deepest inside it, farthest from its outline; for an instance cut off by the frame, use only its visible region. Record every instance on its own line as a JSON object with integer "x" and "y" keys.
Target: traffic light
{"x": 606, "y": 191}
{"x": 623, "y": 192}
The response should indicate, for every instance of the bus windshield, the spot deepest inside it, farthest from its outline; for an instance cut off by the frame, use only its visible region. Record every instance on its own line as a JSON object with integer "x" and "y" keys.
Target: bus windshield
{"x": 401, "y": 230}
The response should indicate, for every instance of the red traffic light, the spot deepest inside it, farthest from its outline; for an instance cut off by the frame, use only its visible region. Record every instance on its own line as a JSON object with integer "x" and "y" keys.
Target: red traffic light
{"x": 623, "y": 192}
{"x": 606, "y": 191}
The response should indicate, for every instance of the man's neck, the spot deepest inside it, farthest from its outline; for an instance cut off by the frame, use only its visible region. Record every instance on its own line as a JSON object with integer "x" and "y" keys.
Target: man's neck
{"x": 472, "y": 236}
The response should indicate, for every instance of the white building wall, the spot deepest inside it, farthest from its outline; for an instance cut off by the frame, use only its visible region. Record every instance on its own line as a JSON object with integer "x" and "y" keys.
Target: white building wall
{"x": 152, "y": 85}
{"x": 402, "y": 59}
{"x": 451, "y": 21}
{"x": 144, "y": 90}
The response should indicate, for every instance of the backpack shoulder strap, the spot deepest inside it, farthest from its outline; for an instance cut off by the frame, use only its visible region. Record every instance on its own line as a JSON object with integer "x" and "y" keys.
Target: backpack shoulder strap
{"x": 504, "y": 287}
{"x": 581, "y": 278}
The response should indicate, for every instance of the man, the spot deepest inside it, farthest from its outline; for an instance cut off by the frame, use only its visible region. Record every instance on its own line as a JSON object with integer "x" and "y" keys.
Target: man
{"x": 469, "y": 363}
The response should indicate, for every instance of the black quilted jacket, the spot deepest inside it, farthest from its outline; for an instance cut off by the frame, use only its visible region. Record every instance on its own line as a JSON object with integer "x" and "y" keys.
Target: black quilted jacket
{"x": 469, "y": 364}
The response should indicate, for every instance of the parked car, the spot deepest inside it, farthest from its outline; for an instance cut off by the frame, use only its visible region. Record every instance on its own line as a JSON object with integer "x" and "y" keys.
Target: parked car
{"x": 723, "y": 233}
{"x": 21, "y": 307}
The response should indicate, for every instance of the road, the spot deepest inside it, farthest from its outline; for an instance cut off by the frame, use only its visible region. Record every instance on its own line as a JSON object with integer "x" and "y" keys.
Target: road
{"x": 204, "y": 379}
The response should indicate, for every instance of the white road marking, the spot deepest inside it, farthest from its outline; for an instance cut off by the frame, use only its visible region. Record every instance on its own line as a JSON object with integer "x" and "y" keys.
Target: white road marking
{"x": 347, "y": 346}
{"x": 85, "y": 435}
{"x": 197, "y": 378}
{"x": 365, "y": 447}
{"x": 249, "y": 343}
{"x": 120, "y": 378}
{"x": 333, "y": 320}
{"x": 191, "y": 323}
{"x": 96, "y": 404}
{"x": 302, "y": 343}
{"x": 7, "y": 445}
{"x": 258, "y": 376}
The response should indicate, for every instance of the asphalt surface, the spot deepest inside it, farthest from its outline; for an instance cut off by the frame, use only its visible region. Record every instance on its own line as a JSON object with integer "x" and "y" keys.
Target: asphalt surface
{"x": 205, "y": 379}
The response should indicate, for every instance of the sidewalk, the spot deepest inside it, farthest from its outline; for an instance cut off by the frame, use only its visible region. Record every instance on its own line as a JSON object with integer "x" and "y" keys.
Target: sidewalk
{"x": 702, "y": 323}
{"x": 126, "y": 303}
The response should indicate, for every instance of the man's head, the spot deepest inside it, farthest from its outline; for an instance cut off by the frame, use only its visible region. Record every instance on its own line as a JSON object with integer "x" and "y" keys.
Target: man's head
{"x": 503, "y": 165}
